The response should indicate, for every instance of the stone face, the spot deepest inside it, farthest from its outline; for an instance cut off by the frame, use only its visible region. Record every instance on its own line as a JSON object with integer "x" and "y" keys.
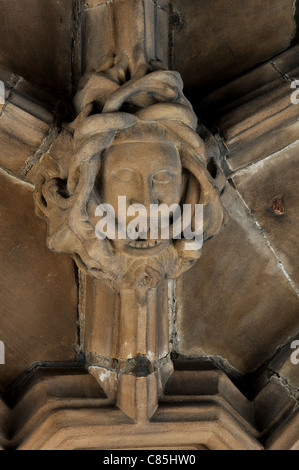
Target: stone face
{"x": 38, "y": 288}
{"x": 148, "y": 154}
{"x": 213, "y": 44}
{"x": 270, "y": 190}
{"x": 235, "y": 303}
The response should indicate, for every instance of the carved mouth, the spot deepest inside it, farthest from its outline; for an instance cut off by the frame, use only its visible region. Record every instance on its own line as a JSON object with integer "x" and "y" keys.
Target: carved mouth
{"x": 144, "y": 243}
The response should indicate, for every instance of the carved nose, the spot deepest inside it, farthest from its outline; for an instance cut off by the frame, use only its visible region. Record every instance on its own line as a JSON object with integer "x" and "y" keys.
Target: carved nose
{"x": 146, "y": 198}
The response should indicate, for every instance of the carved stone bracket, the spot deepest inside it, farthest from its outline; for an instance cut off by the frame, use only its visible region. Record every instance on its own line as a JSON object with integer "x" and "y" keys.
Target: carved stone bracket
{"x": 135, "y": 136}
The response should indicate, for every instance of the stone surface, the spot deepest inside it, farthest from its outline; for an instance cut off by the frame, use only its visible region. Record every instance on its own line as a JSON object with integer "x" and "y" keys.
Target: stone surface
{"x": 283, "y": 366}
{"x": 26, "y": 123}
{"x": 286, "y": 436}
{"x": 46, "y": 390}
{"x": 212, "y": 45}
{"x": 38, "y": 288}
{"x": 102, "y": 46}
{"x": 235, "y": 303}
{"x": 21, "y": 134}
{"x": 272, "y": 405}
{"x": 254, "y": 113}
{"x": 238, "y": 307}
{"x": 36, "y": 41}
{"x": 270, "y": 190}
{"x": 287, "y": 63}
{"x": 193, "y": 422}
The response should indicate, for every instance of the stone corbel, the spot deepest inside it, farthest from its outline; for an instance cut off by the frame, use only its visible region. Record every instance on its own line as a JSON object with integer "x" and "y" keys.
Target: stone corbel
{"x": 135, "y": 135}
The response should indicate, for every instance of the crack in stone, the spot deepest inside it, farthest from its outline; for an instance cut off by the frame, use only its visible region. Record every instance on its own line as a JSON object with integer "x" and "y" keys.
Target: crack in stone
{"x": 292, "y": 391}
{"x": 76, "y": 53}
{"x": 282, "y": 74}
{"x": 217, "y": 361}
{"x": 139, "y": 366}
{"x": 42, "y": 150}
{"x": 103, "y": 3}
{"x": 264, "y": 367}
{"x": 172, "y": 311}
{"x": 10, "y": 95}
{"x": 155, "y": 2}
{"x": 250, "y": 165}
{"x": 81, "y": 309}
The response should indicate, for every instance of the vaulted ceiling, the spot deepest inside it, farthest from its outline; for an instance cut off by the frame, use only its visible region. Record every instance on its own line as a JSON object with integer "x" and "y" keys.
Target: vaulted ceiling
{"x": 239, "y": 306}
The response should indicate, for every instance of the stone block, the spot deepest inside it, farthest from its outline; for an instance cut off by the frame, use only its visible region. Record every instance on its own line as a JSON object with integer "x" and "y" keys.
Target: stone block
{"x": 235, "y": 303}
{"x": 38, "y": 288}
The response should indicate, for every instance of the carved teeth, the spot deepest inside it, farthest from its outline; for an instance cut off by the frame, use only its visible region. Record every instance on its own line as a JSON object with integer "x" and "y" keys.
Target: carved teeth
{"x": 144, "y": 244}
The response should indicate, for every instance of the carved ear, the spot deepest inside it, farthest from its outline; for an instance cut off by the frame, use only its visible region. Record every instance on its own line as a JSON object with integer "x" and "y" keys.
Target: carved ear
{"x": 45, "y": 174}
{"x": 203, "y": 191}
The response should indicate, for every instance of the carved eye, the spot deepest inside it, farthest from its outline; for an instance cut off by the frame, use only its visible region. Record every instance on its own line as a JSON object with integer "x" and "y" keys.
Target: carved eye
{"x": 163, "y": 177}
{"x": 124, "y": 175}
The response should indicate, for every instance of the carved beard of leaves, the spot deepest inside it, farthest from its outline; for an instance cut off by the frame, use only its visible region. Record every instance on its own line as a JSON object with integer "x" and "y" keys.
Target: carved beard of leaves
{"x": 164, "y": 115}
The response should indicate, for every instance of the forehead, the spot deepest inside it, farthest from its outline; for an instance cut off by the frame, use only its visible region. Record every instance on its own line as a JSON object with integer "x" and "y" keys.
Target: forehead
{"x": 142, "y": 156}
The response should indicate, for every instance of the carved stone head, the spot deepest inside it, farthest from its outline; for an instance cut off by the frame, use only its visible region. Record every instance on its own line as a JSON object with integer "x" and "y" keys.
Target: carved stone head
{"x": 149, "y": 155}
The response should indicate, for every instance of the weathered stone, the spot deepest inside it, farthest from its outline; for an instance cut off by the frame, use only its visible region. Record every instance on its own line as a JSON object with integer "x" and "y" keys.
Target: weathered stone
{"x": 21, "y": 134}
{"x": 214, "y": 44}
{"x": 286, "y": 436}
{"x": 255, "y": 113}
{"x": 98, "y": 45}
{"x": 136, "y": 135}
{"x": 245, "y": 314}
{"x": 36, "y": 41}
{"x": 113, "y": 157}
{"x": 38, "y": 288}
{"x": 267, "y": 186}
{"x": 44, "y": 392}
{"x": 239, "y": 91}
{"x": 283, "y": 366}
{"x": 262, "y": 123}
{"x": 287, "y": 63}
{"x": 101, "y": 46}
{"x": 193, "y": 423}
{"x": 272, "y": 405}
